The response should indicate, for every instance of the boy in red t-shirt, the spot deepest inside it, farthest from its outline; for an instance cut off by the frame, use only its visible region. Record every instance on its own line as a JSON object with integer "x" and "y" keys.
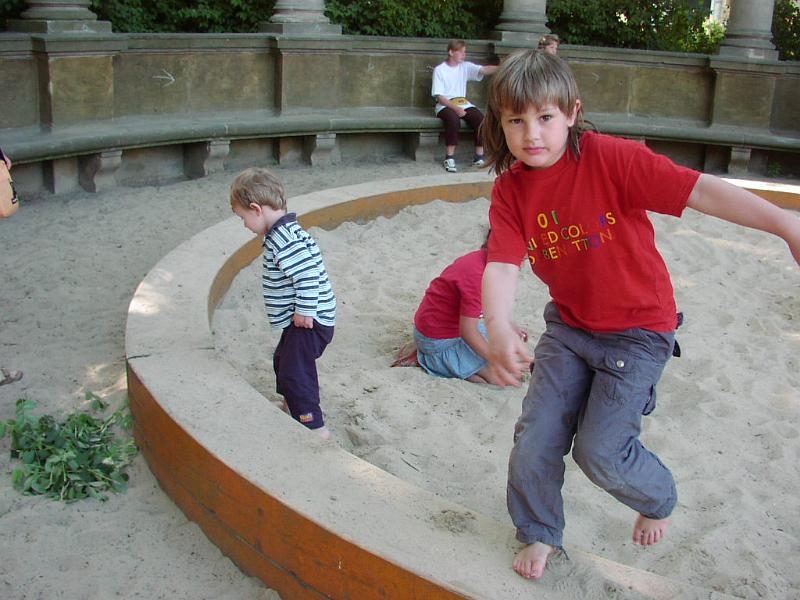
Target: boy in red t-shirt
{"x": 574, "y": 204}
{"x": 448, "y": 332}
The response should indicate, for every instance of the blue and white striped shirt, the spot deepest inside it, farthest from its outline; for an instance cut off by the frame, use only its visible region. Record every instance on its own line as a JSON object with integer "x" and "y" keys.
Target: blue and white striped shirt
{"x": 294, "y": 277}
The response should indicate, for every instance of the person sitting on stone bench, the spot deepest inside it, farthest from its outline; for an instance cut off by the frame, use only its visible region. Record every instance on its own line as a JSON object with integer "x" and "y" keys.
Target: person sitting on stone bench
{"x": 449, "y": 89}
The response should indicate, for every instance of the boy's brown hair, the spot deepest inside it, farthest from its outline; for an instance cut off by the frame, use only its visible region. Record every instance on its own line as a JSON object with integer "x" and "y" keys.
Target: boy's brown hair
{"x": 257, "y": 185}
{"x": 456, "y": 45}
{"x": 528, "y": 77}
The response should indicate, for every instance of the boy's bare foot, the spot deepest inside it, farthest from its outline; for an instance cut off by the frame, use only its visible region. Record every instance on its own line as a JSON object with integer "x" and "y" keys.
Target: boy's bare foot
{"x": 323, "y": 431}
{"x": 647, "y": 532}
{"x": 531, "y": 560}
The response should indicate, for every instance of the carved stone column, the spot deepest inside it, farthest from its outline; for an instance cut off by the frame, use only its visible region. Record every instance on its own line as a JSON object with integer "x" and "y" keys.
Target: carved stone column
{"x": 522, "y": 22}
{"x": 97, "y": 172}
{"x": 749, "y": 33}
{"x": 300, "y": 17}
{"x": 58, "y": 16}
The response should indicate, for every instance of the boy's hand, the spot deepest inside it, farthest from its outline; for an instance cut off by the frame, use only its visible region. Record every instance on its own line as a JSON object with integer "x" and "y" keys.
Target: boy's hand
{"x": 303, "y": 321}
{"x": 509, "y": 358}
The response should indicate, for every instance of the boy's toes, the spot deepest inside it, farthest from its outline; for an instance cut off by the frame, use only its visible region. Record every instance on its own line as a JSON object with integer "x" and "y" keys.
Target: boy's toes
{"x": 530, "y": 569}
{"x": 532, "y": 560}
{"x": 523, "y": 568}
{"x": 537, "y": 569}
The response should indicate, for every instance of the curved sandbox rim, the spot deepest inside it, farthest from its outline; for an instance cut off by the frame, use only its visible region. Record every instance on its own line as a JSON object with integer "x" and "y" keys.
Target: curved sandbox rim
{"x": 302, "y": 514}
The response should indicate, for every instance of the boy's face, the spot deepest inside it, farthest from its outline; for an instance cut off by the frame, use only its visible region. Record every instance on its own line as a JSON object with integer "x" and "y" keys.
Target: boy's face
{"x": 551, "y": 48}
{"x": 458, "y": 56}
{"x": 538, "y": 136}
{"x": 258, "y": 219}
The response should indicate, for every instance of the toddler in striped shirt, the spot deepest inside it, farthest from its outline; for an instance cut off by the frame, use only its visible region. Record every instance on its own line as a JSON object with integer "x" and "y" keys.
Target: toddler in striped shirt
{"x": 297, "y": 293}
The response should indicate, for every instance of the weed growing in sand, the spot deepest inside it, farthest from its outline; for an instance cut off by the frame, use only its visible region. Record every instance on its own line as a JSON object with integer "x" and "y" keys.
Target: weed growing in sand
{"x": 80, "y": 457}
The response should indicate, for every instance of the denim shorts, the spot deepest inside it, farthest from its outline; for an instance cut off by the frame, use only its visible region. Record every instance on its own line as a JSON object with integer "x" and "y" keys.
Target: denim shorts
{"x": 451, "y": 357}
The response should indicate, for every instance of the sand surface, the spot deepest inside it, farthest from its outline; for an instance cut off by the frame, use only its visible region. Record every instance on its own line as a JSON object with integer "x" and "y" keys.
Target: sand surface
{"x": 726, "y": 424}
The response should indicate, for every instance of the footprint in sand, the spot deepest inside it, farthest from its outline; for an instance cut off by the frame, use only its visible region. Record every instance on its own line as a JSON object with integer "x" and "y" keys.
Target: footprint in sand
{"x": 453, "y": 521}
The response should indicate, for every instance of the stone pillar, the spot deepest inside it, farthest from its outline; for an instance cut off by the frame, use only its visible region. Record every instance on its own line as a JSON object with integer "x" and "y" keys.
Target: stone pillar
{"x": 204, "y": 158}
{"x": 76, "y": 77}
{"x": 58, "y": 16}
{"x": 423, "y": 145}
{"x": 300, "y": 17}
{"x": 321, "y": 149}
{"x": 97, "y": 172}
{"x": 61, "y": 175}
{"x": 749, "y": 33}
{"x": 522, "y": 22}
{"x": 739, "y": 163}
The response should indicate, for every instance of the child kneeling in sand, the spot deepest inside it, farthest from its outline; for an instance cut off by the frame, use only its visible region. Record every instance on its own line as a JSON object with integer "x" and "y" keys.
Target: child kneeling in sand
{"x": 297, "y": 293}
{"x": 448, "y": 332}
{"x": 574, "y": 203}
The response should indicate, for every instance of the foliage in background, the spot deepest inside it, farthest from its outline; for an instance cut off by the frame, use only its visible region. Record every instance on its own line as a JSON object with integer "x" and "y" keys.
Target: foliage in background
{"x": 676, "y": 25}
{"x": 77, "y": 458}
{"x": 201, "y": 16}
{"x": 786, "y": 29}
{"x": 469, "y": 19}
{"x": 672, "y": 25}
{"x": 11, "y": 9}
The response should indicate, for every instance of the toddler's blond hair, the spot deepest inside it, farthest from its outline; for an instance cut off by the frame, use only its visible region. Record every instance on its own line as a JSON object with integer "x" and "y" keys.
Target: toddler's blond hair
{"x": 257, "y": 185}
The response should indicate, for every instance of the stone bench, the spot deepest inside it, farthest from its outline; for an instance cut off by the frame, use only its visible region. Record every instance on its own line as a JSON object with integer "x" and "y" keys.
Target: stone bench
{"x": 300, "y": 513}
{"x": 89, "y": 155}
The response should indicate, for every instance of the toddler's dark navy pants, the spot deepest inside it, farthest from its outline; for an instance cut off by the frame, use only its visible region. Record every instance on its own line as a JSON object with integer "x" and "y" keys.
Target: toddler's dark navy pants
{"x": 295, "y": 367}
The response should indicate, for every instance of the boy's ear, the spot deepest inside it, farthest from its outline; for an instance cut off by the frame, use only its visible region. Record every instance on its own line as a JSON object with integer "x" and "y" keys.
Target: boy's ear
{"x": 255, "y": 207}
{"x": 574, "y": 116}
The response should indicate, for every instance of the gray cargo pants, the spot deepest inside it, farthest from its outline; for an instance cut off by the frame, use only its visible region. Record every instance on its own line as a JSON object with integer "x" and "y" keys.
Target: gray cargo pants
{"x": 587, "y": 391}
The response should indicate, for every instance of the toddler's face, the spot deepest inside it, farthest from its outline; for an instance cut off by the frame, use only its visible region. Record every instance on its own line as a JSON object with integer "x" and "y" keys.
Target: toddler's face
{"x": 537, "y": 136}
{"x": 258, "y": 219}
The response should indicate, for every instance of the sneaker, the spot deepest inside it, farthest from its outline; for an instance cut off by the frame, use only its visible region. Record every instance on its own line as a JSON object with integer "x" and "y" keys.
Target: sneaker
{"x": 479, "y": 161}
{"x": 450, "y": 165}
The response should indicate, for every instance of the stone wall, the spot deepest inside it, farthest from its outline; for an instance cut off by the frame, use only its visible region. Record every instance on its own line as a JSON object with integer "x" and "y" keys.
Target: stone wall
{"x": 734, "y": 113}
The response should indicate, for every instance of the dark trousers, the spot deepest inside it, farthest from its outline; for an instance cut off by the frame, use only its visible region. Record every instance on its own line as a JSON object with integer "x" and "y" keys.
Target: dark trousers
{"x": 295, "y": 367}
{"x": 587, "y": 391}
{"x": 452, "y": 124}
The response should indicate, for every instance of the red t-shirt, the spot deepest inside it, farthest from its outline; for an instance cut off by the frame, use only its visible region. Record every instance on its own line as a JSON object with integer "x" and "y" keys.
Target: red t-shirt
{"x": 583, "y": 226}
{"x": 453, "y": 294}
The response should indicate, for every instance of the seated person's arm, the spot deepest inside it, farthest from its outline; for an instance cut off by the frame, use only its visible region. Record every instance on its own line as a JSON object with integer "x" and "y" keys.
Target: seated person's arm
{"x": 445, "y": 101}
{"x": 489, "y": 69}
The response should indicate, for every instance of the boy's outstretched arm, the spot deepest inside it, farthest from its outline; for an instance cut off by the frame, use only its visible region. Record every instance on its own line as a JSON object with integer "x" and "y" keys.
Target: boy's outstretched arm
{"x": 508, "y": 355}
{"x": 716, "y": 197}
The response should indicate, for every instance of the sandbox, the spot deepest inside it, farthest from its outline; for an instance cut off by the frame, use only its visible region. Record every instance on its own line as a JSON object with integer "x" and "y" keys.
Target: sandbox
{"x": 303, "y": 515}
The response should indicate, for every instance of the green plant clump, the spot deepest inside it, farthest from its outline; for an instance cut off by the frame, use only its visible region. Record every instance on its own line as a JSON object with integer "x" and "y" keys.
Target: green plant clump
{"x": 75, "y": 459}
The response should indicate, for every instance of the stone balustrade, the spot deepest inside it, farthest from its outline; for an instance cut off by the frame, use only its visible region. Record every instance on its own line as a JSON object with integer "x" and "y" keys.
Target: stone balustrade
{"x": 147, "y": 108}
